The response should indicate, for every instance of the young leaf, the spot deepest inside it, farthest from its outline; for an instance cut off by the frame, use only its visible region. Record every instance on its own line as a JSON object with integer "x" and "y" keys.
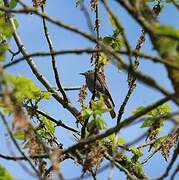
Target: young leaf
{"x": 86, "y": 113}
{"x": 24, "y": 88}
{"x": 98, "y": 107}
{"x": 98, "y": 124}
{"x": 4, "y": 174}
{"x": 20, "y": 135}
{"x": 13, "y": 4}
{"x": 3, "y": 49}
{"x": 120, "y": 140}
{"x": 48, "y": 129}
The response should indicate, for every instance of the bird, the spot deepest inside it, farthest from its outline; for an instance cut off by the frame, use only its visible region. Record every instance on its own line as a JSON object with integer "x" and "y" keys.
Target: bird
{"x": 101, "y": 89}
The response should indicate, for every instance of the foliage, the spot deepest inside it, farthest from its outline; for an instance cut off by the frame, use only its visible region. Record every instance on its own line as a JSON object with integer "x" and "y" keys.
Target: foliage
{"x": 33, "y": 130}
{"x": 24, "y": 88}
{"x": 48, "y": 129}
{"x": 13, "y": 4}
{"x": 137, "y": 154}
{"x": 4, "y": 174}
{"x": 157, "y": 114}
{"x": 6, "y": 31}
{"x": 120, "y": 140}
{"x": 115, "y": 40}
{"x": 97, "y": 108}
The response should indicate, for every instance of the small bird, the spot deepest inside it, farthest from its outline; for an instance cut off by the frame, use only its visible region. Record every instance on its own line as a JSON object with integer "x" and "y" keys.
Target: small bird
{"x": 101, "y": 89}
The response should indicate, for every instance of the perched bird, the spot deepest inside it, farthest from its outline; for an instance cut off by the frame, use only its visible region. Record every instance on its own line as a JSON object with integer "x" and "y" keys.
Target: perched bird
{"x": 101, "y": 89}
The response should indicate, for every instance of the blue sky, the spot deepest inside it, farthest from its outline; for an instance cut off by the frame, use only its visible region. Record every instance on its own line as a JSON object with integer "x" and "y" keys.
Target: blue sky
{"x": 69, "y": 66}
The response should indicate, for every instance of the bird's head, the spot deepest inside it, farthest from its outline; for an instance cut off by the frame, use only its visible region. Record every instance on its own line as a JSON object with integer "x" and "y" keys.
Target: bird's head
{"x": 87, "y": 73}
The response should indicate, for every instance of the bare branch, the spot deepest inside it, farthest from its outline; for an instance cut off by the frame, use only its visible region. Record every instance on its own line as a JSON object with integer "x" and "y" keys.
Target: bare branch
{"x": 49, "y": 41}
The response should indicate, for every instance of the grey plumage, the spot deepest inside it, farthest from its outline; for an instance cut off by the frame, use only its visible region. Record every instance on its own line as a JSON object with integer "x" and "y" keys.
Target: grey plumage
{"x": 101, "y": 89}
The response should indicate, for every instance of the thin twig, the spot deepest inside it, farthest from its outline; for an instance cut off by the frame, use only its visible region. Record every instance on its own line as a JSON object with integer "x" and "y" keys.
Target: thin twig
{"x": 17, "y": 146}
{"x": 175, "y": 3}
{"x": 13, "y": 54}
{"x": 56, "y": 74}
{"x": 143, "y": 78}
{"x": 97, "y": 25}
{"x": 102, "y": 169}
{"x": 151, "y": 155}
{"x": 76, "y": 88}
{"x": 112, "y": 130}
{"x": 55, "y": 53}
{"x": 19, "y": 158}
{"x": 39, "y": 76}
{"x": 87, "y": 17}
{"x": 174, "y": 173}
{"x": 121, "y": 30}
{"x": 66, "y": 88}
{"x": 57, "y": 122}
{"x": 155, "y": 59}
{"x": 131, "y": 177}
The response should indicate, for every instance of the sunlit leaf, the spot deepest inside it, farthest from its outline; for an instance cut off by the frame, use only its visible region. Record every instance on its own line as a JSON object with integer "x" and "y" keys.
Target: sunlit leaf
{"x": 86, "y": 113}
{"x": 48, "y": 128}
{"x": 98, "y": 124}
{"x": 4, "y": 174}
{"x": 13, "y": 4}
{"x": 20, "y": 135}
{"x": 24, "y": 87}
{"x": 120, "y": 140}
{"x": 3, "y": 49}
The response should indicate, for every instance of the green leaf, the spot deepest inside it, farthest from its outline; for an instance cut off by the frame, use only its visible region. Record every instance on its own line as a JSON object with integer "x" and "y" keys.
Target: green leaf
{"x": 137, "y": 152}
{"x": 20, "y": 135}
{"x": 3, "y": 49}
{"x": 107, "y": 40}
{"x": 161, "y": 110}
{"x": 24, "y": 88}
{"x": 1, "y": 3}
{"x": 137, "y": 169}
{"x": 103, "y": 60}
{"x": 6, "y": 29}
{"x": 150, "y": 117}
{"x": 86, "y": 113}
{"x": 4, "y": 174}
{"x": 137, "y": 110}
{"x": 120, "y": 140}
{"x": 167, "y": 44}
{"x": 148, "y": 122}
{"x": 48, "y": 129}
{"x": 98, "y": 107}
{"x": 166, "y": 30}
{"x": 97, "y": 123}
{"x": 13, "y": 4}
{"x": 45, "y": 95}
{"x": 115, "y": 40}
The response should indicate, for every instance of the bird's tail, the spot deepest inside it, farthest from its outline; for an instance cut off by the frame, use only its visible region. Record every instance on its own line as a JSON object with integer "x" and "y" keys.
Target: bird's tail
{"x": 111, "y": 107}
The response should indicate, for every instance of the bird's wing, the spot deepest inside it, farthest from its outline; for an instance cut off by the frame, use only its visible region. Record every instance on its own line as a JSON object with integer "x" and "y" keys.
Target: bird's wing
{"x": 105, "y": 90}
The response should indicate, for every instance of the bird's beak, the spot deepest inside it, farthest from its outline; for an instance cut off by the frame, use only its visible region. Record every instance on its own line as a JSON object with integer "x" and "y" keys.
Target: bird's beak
{"x": 82, "y": 74}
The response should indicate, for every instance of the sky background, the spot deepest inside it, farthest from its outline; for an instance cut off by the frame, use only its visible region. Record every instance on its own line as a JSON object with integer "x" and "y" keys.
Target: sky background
{"x": 69, "y": 66}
